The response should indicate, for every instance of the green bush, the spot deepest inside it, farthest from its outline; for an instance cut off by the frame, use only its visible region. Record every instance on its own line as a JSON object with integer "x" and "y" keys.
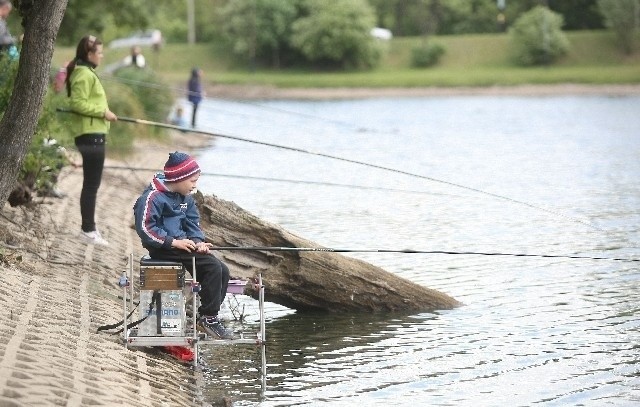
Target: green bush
{"x": 124, "y": 102}
{"x": 426, "y": 55}
{"x": 336, "y": 34}
{"x": 8, "y": 70}
{"x": 536, "y": 38}
{"x": 154, "y": 96}
{"x": 47, "y": 153}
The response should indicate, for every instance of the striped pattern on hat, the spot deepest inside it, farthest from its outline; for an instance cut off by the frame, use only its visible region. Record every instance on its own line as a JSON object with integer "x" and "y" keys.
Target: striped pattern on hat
{"x": 180, "y": 166}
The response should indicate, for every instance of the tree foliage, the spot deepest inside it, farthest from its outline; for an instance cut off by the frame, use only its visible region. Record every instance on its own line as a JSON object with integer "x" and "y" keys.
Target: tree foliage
{"x": 259, "y": 30}
{"x": 329, "y": 34}
{"x": 623, "y": 17}
{"x": 536, "y": 37}
{"x": 411, "y": 17}
{"x": 469, "y": 16}
{"x": 578, "y": 14}
{"x": 118, "y": 18}
{"x": 336, "y": 33}
{"x": 105, "y": 19}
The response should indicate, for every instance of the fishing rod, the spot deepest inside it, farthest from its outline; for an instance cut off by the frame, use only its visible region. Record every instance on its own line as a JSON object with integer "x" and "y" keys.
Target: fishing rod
{"x": 333, "y": 157}
{"x": 291, "y": 181}
{"x": 411, "y": 251}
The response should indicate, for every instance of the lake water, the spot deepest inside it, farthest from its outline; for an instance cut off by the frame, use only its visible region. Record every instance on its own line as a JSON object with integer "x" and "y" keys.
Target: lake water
{"x": 537, "y": 175}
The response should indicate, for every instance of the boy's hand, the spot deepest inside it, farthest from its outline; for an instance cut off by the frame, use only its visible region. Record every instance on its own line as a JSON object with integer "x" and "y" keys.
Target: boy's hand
{"x": 203, "y": 247}
{"x": 184, "y": 244}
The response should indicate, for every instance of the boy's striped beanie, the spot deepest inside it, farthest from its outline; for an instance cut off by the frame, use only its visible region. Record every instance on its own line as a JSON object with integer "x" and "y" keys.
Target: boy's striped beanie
{"x": 180, "y": 166}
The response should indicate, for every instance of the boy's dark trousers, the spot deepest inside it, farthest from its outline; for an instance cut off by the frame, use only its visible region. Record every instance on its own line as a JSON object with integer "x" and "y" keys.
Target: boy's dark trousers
{"x": 211, "y": 273}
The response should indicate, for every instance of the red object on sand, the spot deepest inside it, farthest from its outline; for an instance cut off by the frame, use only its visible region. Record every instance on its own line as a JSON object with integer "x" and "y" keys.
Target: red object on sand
{"x": 180, "y": 352}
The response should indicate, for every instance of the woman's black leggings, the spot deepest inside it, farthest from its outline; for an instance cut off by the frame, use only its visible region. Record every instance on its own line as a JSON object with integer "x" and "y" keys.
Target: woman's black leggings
{"x": 92, "y": 149}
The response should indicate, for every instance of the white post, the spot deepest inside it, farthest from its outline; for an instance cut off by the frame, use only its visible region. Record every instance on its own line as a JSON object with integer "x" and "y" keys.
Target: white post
{"x": 191, "y": 22}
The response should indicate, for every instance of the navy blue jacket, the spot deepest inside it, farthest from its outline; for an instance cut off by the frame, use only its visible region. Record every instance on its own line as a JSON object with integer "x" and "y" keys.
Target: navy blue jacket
{"x": 162, "y": 216}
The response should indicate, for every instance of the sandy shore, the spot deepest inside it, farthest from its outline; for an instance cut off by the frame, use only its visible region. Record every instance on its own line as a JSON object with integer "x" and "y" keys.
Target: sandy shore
{"x": 56, "y": 290}
{"x": 270, "y": 92}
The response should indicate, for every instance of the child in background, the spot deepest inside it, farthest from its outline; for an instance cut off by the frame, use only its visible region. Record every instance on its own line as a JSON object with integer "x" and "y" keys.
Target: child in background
{"x": 178, "y": 117}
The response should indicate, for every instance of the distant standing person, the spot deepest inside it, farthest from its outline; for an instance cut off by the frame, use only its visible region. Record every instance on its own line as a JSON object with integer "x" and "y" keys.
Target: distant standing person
{"x": 90, "y": 122}
{"x": 195, "y": 92}
{"x": 135, "y": 58}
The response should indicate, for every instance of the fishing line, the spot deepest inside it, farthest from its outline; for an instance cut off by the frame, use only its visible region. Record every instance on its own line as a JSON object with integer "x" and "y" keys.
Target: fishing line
{"x": 333, "y": 157}
{"x": 291, "y": 181}
{"x": 410, "y": 251}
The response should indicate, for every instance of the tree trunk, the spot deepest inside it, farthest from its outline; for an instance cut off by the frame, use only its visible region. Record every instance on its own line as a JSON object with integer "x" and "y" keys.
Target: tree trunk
{"x": 308, "y": 280}
{"x": 41, "y": 21}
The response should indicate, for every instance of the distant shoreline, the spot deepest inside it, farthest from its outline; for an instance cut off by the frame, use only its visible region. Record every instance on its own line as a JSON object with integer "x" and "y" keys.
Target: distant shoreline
{"x": 255, "y": 92}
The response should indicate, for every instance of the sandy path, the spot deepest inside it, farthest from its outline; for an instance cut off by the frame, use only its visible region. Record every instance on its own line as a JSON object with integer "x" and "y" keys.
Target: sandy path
{"x": 50, "y": 353}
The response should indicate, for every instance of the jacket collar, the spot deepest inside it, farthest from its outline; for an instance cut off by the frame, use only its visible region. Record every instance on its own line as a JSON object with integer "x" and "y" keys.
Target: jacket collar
{"x": 158, "y": 183}
{"x": 82, "y": 62}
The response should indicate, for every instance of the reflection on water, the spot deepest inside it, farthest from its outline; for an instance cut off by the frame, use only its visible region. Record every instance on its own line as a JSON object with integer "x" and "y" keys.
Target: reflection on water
{"x": 531, "y": 330}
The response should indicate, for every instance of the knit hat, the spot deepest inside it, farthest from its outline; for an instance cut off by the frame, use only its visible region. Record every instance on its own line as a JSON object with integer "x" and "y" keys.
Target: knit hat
{"x": 180, "y": 166}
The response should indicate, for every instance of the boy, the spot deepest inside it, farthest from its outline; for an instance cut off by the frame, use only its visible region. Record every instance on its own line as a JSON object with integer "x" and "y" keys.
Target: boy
{"x": 168, "y": 223}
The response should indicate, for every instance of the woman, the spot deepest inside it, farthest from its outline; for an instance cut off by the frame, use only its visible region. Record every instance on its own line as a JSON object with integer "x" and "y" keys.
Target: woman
{"x": 91, "y": 123}
{"x": 195, "y": 92}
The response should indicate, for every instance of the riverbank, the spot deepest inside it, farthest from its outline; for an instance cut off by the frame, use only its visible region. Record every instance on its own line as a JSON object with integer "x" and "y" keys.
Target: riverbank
{"x": 57, "y": 290}
{"x": 258, "y": 92}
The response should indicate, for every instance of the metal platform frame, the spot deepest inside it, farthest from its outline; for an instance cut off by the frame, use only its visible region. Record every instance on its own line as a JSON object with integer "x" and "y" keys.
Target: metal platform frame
{"x": 191, "y": 339}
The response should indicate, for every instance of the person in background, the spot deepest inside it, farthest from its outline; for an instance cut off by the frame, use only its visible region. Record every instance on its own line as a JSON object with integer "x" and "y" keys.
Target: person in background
{"x": 7, "y": 41}
{"x": 168, "y": 223}
{"x": 177, "y": 119}
{"x": 91, "y": 122}
{"x": 195, "y": 93}
{"x": 135, "y": 58}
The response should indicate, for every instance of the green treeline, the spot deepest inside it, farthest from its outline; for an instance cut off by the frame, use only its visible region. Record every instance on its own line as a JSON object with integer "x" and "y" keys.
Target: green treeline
{"x": 118, "y": 18}
{"x": 335, "y": 34}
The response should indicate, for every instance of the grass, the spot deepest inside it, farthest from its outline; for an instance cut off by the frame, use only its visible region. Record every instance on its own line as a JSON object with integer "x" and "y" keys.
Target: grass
{"x": 469, "y": 60}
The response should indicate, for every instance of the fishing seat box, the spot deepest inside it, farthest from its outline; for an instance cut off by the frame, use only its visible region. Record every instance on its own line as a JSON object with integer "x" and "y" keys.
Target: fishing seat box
{"x": 168, "y": 278}
{"x": 161, "y": 274}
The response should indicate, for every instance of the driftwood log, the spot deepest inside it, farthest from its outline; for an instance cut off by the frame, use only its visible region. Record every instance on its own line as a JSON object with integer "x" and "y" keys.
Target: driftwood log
{"x": 309, "y": 280}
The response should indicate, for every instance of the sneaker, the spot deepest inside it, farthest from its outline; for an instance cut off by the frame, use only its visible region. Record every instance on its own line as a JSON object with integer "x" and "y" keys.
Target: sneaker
{"x": 213, "y": 327}
{"x": 52, "y": 193}
{"x": 94, "y": 237}
{"x": 56, "y": 193}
